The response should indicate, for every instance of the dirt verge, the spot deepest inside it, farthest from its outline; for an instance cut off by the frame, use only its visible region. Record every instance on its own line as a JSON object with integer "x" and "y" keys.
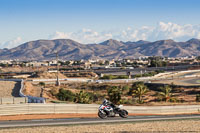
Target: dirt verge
{"x": 54, "y": 116}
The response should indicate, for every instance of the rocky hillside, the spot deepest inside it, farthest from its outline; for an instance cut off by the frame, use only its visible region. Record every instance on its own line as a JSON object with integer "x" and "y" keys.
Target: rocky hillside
{"x": 110, "y": 49}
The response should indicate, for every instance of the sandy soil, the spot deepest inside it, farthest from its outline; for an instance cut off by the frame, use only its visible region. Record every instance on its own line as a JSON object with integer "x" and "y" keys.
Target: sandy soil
{"x": 12, "y": 69}
{"x": 50, "y": 75}
{"x": 23, "y": 69}
{"x": 9, "y": 89}
{"x": 177, "y": 82}
{"x": 32, "y": 90}
{"x": 45, "y": 116}
{"x": 157, "y": 126}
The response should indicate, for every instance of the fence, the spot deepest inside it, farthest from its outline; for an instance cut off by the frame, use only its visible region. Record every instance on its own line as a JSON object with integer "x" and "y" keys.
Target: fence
{"x": 31, "y": 108}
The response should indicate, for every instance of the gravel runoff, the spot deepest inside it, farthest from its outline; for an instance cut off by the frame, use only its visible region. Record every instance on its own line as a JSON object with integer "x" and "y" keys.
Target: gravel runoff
{"x": 155, "y": 126}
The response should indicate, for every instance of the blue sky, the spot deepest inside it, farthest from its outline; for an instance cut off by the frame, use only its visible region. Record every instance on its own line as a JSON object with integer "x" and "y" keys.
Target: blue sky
{"x": 90, "y": 21}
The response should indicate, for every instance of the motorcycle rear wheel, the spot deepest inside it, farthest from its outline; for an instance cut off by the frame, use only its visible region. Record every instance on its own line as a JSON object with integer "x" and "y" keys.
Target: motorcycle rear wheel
{"x": 123, "y": 114}
{"x": 102, "y": 115}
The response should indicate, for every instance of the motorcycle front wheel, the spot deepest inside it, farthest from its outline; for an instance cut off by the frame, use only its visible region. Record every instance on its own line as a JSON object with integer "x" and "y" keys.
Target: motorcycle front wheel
{"x": 102, "y": 114}
{"x": 123, "y": 113}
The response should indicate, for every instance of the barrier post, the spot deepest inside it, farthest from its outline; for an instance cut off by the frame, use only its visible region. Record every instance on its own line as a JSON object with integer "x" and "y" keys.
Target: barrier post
{"x": 54, "y": 106}
{"x": 77, "y": 109}
{"x": 28, "y": 108}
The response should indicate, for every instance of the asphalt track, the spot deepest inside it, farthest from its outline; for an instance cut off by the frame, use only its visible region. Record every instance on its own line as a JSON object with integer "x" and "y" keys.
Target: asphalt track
{"x": 193, "y": 81}
{"x": 79, "y": 121}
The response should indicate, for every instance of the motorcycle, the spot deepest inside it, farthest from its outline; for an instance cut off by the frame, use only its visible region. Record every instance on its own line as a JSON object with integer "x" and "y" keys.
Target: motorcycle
{"x": 111, "y": 111}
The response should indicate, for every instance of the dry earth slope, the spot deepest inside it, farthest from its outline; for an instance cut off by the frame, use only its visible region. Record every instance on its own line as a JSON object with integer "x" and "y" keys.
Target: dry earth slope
{"x": 110, "y": 49}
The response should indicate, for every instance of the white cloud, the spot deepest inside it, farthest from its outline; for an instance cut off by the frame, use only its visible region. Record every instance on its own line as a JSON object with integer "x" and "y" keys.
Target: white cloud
{"x": 12, "y": 43}
{"x": 176, "y": 32}
{"x": 160, "y": 31}
{"x": 59, "y": 35}
{"x": 83, "y": 36}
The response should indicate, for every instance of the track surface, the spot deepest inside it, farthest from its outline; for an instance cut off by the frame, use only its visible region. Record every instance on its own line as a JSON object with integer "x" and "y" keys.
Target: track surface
{"x": 74, "y": 121}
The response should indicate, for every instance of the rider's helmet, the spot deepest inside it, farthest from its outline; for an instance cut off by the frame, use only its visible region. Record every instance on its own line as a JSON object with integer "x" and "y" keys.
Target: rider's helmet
{"x": 105, "y": 102}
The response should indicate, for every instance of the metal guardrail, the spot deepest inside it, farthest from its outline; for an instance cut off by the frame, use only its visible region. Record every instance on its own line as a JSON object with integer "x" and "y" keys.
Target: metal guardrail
{"x": 31, "y": 108}
{"x": 31, "y": 99}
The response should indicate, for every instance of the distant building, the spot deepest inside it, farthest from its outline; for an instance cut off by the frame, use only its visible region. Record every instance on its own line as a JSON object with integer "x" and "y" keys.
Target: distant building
{"x": 6, "y": 61}
{"x": 36, "y": 64}
{"x": 53, "y": 63}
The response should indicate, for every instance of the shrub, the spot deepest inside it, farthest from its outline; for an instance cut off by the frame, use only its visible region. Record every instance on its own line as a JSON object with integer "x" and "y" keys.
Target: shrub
{"x": 127, "y": 101}
{"x": 65, "y": 95}
{"x": 94, "y": 97}
{"x": 114, "y": 94}
{"x": 107, "y": 77}
{"x": 83, "y": 97}
{"x": 198, "y": 98}
{"x": 125, "y": 88}
{"x": 99, "y": 87}
{"x": 166, "y": 93}
{"x": 114, "y": 77}
{"x": 138, "y": 90}
{"x": 121, "y": 77}
{"x": 149, "y": 74}
{"x": 159, "y": 71}
{"x": 42, "y": 84}
{"x": 174, "y": 100}
{"x": 54, "y": 91}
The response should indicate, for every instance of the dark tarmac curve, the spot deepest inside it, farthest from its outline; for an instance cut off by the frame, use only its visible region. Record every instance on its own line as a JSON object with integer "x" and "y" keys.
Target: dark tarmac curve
{"x": 79, "y": 121}
{"x": 195, "y": 81}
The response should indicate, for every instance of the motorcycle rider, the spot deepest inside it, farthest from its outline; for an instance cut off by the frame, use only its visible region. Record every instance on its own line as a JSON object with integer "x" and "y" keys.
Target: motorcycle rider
{"x": 109, "y": 105}
{"x": 108, "y": 109}
{"x": 105, "y": 102}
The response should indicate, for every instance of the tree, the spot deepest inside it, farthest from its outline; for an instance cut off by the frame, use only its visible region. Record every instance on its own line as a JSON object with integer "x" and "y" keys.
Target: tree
{"x": 165, "y": 93}
{"x": 42, "y": 84}
{"x": 23, "y": 65}
{"x": 83, "y": 97}
{"x": 6, "y": 65}
{"x": 139, "y": 90}
{"x": 114, "y": 94}
{"x": 198, "y": 58}
{"x": 157, "y": 61}
{"x": 65, "y": 95}
{"x": 125, "y": 88}
{"x": 107, "y": 62}
{"x": 198, "y": 98}
{"x": 107, "y": 77}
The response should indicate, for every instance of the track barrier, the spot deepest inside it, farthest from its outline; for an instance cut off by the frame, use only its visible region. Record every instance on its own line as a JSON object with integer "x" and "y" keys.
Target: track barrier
{"x": 38, "y": 108}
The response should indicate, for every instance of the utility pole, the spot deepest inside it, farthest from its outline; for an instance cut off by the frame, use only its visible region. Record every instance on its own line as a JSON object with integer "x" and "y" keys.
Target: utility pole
{"x": 57, "y": 81}
{"x": 156, "y": 62}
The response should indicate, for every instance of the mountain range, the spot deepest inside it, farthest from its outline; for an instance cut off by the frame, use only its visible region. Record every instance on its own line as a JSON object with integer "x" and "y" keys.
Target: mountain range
{"x": 110, "y": 49}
